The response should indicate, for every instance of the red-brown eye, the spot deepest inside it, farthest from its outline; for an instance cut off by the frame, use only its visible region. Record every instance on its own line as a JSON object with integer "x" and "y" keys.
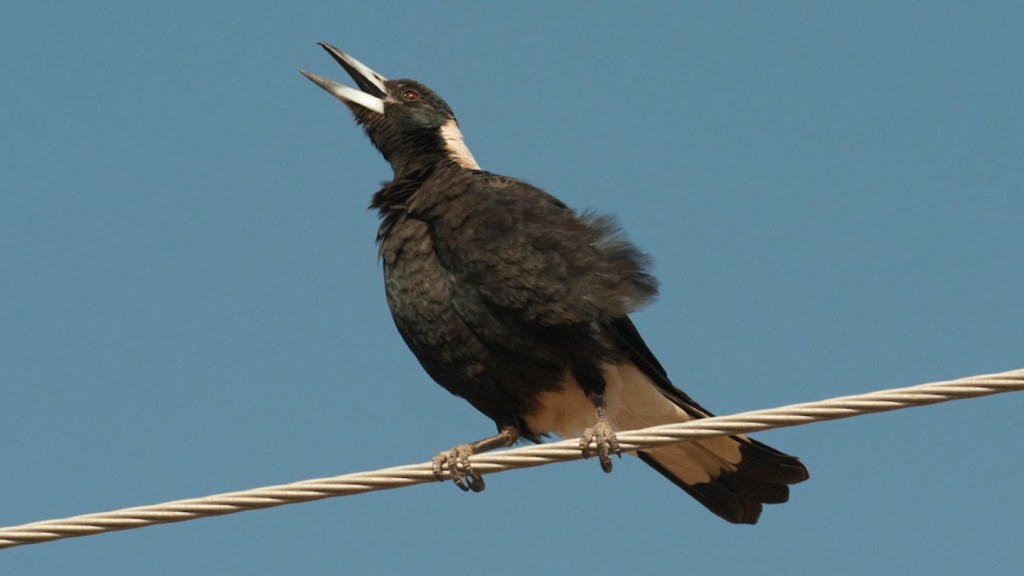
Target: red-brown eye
{"x": 410, "y": 95}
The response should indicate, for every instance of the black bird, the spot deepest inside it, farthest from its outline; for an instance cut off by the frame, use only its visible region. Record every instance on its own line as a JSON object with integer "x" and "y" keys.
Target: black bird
{"x": 520, "y": 305}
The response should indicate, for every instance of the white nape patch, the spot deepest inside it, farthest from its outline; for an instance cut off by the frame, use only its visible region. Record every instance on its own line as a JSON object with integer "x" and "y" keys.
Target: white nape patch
{"x": 632, "y": 401}
{"x": 456, "y": 146}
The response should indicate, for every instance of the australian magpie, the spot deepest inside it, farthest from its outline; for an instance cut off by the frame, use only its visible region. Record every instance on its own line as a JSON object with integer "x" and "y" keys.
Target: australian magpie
{"x": 519, "y": 304}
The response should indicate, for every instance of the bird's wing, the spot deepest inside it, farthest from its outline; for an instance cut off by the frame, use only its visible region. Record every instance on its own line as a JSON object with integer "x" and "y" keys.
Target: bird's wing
{"x": 525, "y": 253}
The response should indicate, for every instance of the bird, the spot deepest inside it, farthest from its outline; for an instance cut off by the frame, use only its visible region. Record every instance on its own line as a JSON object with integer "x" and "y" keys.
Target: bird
{"x": 521, "y": 305}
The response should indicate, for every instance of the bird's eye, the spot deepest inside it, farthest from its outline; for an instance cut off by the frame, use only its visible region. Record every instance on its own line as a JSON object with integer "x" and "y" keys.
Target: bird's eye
{"x": 410, "y": 95}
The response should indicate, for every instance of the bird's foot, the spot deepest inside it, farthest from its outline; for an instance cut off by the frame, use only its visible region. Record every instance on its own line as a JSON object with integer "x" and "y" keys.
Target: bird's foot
{"x": 456, "y": 461}
{"x": 604, "y": 443}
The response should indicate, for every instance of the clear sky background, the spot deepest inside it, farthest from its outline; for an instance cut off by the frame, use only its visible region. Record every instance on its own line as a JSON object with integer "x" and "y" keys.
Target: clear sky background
{"x": 190, "y": 301}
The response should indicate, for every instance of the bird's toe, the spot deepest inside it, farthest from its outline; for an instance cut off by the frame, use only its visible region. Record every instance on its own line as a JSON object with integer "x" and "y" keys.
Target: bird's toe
{"x": 600, "y": 440}
{"x": 456, "y": 463}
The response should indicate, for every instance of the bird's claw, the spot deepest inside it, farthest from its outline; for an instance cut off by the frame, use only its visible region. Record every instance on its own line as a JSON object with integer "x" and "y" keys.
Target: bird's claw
{"x": 456, "y": 461}
{"x": 604, "y": 444}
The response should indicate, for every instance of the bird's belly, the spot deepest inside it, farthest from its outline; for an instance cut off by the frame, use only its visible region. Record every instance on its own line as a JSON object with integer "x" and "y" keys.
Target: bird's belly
{"x": 451, "y": 335}
{"x": 422, "y": 308}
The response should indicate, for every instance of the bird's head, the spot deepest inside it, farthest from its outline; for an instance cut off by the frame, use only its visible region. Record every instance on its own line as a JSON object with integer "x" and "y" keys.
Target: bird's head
{"x": 409, "y": 123}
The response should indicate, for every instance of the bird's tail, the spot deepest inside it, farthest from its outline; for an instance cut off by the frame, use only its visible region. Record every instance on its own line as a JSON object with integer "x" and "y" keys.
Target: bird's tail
{"x": 733, "y": 476}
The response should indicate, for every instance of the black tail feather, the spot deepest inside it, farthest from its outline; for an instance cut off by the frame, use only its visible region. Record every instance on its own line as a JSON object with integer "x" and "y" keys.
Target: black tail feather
{"x": 738, "y": 493}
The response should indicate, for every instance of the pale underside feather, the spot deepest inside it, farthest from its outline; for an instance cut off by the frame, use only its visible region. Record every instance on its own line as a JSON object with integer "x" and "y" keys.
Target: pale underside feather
{"x": 632, "y": 401}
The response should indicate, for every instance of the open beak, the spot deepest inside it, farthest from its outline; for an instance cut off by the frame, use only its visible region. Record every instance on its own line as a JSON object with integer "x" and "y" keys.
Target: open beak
{"x": 372, "y": 92}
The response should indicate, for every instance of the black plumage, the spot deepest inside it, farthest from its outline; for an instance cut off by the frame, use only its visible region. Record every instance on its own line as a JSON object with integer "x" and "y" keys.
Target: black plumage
{"x": 515, "y": 302}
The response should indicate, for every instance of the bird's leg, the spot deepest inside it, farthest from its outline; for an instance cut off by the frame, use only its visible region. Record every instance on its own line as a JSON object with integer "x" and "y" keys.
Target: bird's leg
{"x": 601, "y": 436}
{"x": 457, "y": 459}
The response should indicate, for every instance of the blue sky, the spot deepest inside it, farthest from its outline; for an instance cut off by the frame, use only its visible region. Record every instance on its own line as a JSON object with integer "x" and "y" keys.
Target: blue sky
{"x": 191, "y": 304}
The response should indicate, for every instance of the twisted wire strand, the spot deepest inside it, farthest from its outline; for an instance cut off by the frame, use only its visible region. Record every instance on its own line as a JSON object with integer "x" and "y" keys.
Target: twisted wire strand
{"x": 500, "y": 461}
